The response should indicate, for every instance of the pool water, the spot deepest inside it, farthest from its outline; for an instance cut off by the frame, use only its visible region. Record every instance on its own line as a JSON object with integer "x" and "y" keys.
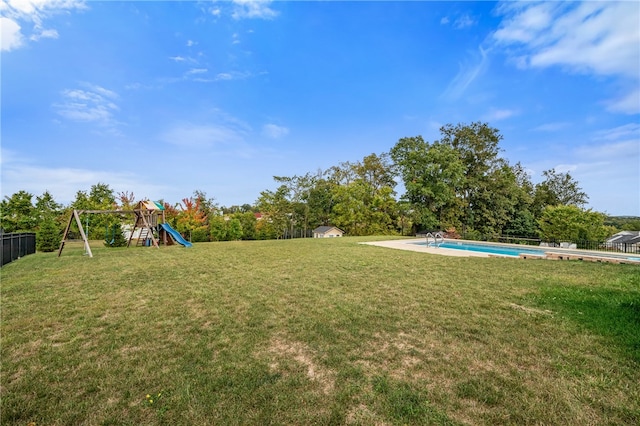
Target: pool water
{"x": 482, "y": 248}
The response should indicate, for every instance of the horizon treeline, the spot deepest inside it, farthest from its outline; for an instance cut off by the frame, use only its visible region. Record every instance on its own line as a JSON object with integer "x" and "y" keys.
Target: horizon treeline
{"x": 459, "y": 184}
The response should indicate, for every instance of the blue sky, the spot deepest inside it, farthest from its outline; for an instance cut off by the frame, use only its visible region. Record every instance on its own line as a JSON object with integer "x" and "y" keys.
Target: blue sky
{"x": 164, "y": 98}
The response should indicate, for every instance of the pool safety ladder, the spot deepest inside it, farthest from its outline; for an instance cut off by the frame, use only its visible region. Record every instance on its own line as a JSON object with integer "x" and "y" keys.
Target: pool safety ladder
{"x": 438, "y": 239}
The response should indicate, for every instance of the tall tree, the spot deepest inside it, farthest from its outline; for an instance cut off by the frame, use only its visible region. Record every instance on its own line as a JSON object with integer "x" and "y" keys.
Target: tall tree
{"x": 432, "y": 175}
{"x": 522, "y": 222}
{"x": 376, "y": 170}
{"x": 276, "y": 210}
{"x": 100, "y": 197}
{"x": 50, "y": 222}
{"x": 218, "y": 228}
{"x": 48, "y": 236}
{"x": 477, "y": 145}
{"x": 46, "y": 206}
{"x": 248, "y": 222}
{"x": 192, "y": 221}
{"x": 18, "y": 213}
{"x": 558, "y": 189}
{"x": 127, "y": 200}
{"x": 319, "y": 200}
{"x": 298, "y": 189}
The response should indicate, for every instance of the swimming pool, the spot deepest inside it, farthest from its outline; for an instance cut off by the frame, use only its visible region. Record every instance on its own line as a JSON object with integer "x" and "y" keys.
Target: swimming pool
{"x": 514, "y": 251}
{"x": 485, "y": 248}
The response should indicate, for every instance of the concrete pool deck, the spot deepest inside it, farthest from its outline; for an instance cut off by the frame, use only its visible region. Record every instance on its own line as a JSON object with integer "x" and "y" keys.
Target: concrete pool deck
{"x": 552, "y": 253}
{"x": 410, "y": 244}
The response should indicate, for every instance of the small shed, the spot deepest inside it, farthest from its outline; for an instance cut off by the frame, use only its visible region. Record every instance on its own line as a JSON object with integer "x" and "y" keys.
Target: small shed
{"x": 327, "y": 232}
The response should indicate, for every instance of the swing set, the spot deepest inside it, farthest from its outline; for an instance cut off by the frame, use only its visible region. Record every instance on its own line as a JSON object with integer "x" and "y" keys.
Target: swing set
{"x": 149, "y": 217}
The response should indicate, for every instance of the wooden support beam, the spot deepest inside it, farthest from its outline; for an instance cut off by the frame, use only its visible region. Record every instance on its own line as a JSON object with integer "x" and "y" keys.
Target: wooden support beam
{"x": 75, "y": 215}
{"x": 107, "y": 211}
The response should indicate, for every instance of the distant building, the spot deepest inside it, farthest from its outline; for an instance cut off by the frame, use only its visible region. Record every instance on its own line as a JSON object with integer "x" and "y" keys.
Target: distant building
{"x": 627, "y": 241}
{"x": 327, "y": 232}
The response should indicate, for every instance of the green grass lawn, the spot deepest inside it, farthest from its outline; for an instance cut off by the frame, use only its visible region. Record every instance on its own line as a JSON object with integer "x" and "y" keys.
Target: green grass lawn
{"x": 316, "y": 331}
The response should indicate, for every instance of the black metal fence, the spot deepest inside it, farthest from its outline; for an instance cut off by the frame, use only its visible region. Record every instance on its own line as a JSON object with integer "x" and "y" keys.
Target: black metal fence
{"x": 17, "y": 245}
{"x": 582, "y": 244}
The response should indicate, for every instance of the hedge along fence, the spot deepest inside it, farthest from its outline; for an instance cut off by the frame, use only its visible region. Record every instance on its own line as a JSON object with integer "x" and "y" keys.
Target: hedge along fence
{"x": 16, "y": 245}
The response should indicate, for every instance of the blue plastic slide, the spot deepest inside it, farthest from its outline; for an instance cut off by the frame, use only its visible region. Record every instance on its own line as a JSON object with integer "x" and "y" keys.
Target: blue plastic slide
{"x": 175, "y": 235}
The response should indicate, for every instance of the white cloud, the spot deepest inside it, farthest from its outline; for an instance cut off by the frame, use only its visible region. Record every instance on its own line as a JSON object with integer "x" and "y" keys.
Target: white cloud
{"x": 253, "y": 9}
{"x": 609, "y": 158}
{"x": 627, "y": 131}
{"x": 202, "y": 136}
{"x": 628, "y": 103}
{"x": 524, "y": 23}
{"x": 177, "y": 58}
{"x": 552, "y": 127}
{"x": 44, "y": 34}
{"x": 191, "y": 43}
{"x": 274, "y": 131}
{"x": 29, "y": 16}
{"x": 193, "y": 71}
{"x": 599, "y": 38}
{"x": 63, "y": 182}
{"x": 499, "y": 114}
{"x": 463, "y": 21}
{"x": 466, "y": 75}
{"x": 444, "y": 20}
{"x": 11, "y": 36}
{"x": 233, "y": 75}
{"x": 91, "y": 104}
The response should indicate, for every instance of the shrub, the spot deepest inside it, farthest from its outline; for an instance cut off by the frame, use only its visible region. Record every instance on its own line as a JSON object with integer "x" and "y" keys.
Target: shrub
{"x": 48, "y": 237}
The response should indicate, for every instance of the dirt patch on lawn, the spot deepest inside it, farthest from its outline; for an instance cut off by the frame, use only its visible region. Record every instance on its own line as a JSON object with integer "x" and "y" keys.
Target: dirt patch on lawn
{"x": 283, "y": 350}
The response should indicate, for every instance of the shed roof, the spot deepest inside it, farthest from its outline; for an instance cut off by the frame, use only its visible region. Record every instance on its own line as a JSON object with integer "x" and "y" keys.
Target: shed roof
{"x": 325, "y": 229}
{"x": 629, "y": 237}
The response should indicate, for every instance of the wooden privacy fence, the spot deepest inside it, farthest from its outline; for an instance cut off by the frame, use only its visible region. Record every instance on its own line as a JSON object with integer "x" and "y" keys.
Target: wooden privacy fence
{"x": 17, "y": 245}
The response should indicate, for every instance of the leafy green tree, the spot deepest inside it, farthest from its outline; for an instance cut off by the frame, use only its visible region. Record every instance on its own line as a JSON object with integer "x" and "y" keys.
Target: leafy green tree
{"x": 432, "y": 175}
{"x": 276, "y": 210}
{"x": 624, "y": 223}
{"x": 218, "y": 228}
{"x": 248, "y": 222}
{"x": 351, "y": 207}
{"x": 571, "y": 223}
{"x": 49, "y": 235}
{"x": 100, "y": 197}
{"x": 47, "y": 207}
{"x": 502, "y": 201}
{"x": 18, "y": 213}
{"x": 376, "y": 170}
{"x": 234, "y": 229}
{"x": 298, "y": 188}
{"x": 558, "y": 189}
{"x": 522, "y": 222}
{"x": 362, "y": 196}
{"x": 477, "y": 146}
{"x": 320, "y": 202}
{"x": 265, "y": 230}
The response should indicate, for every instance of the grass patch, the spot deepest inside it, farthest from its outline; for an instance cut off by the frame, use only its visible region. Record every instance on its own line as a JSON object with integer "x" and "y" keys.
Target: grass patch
{"x": 315, "y": 332}
{"x": 613, "y": 313}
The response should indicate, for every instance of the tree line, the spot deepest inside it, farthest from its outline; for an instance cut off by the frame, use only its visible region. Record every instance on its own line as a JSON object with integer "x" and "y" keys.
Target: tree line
{"x": 459, "y": 184}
